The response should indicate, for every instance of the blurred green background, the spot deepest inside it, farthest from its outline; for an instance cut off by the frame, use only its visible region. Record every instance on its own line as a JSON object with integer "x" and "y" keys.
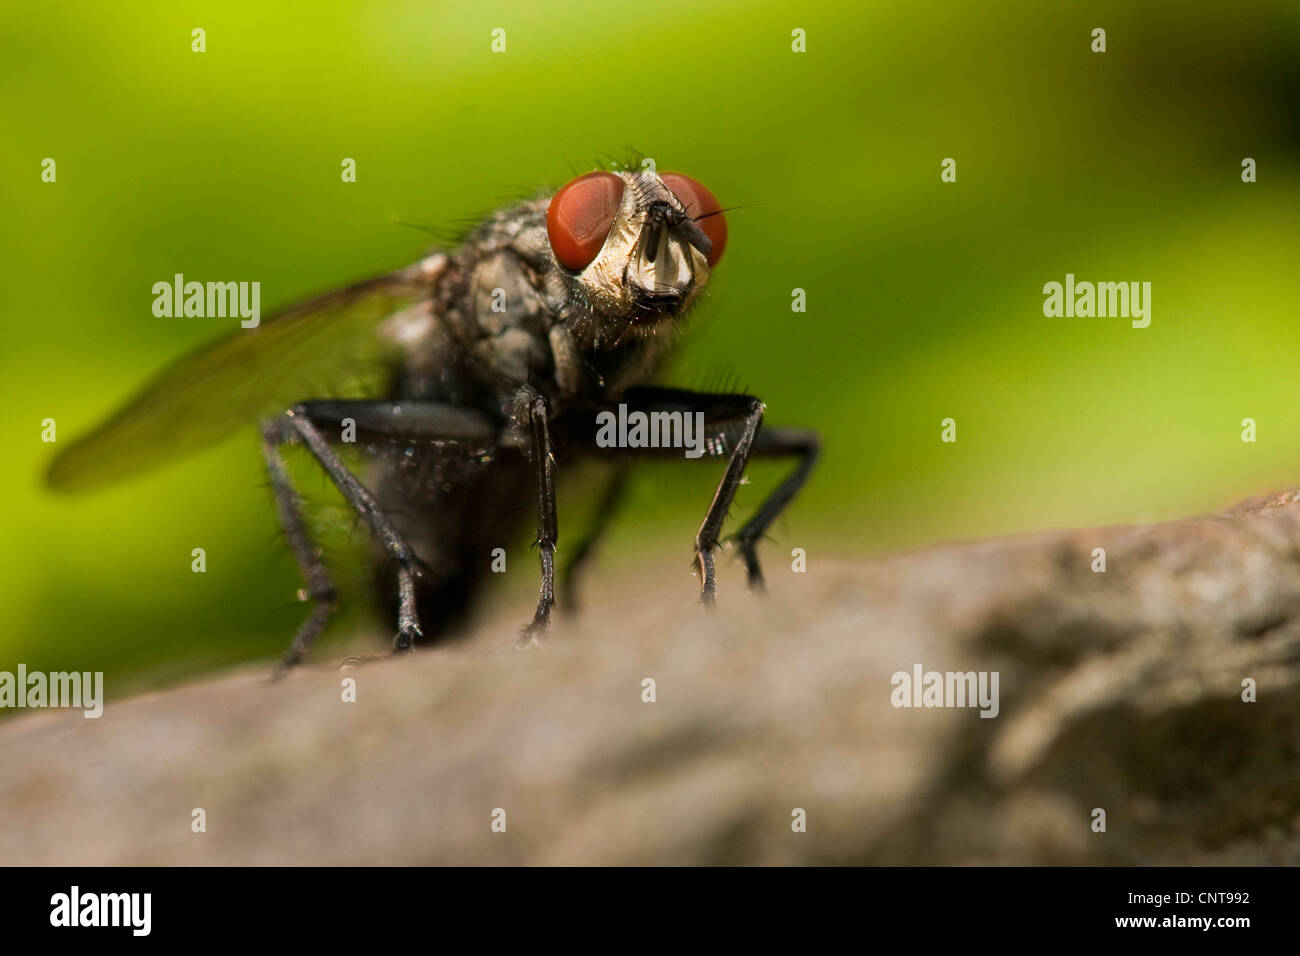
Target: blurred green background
{"x": 924, "y": 298}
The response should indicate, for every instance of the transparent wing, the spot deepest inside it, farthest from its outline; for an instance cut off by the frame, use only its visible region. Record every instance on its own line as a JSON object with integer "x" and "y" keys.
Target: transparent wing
{"x": 326, "y": 347}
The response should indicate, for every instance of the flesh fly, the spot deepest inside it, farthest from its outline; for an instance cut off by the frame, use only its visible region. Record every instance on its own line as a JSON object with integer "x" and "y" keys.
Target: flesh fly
{"x": 485, "y": 367}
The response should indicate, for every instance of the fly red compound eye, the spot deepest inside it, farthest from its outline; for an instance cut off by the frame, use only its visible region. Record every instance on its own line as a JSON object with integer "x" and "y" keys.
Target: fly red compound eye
{"x": 702, "y": 207}
{"x": 580, "y": 217}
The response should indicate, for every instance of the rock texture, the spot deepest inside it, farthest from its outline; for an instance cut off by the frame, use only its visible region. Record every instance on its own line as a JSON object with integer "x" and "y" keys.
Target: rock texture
{"x": 1119, "y": 690}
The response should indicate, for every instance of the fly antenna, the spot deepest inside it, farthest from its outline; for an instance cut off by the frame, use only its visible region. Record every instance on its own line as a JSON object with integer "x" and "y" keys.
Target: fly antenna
{"x": 717, "y": 212}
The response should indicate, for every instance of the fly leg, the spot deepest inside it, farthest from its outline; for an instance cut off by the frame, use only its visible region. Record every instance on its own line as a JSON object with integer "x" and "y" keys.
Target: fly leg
{"x": 373, "y": 421}
{"x": 320, "y": 586}
{"x": 610, "y": 498}
{"x": 713, "y": 408}
{"x": 802, "y": 443}
{"x": 706, "y": 539}
{"x": 547, "y": 528}
{"x": 724, "y": 415}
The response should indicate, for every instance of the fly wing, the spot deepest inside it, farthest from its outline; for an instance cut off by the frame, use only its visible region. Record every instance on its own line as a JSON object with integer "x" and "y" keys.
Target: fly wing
{"x": 326, "y": 347}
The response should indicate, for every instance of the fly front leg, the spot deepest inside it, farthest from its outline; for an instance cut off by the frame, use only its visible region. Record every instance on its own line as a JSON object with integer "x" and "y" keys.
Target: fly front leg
{"x": 732, "y": 426}
{"x": 308, "y": 422}
{"x": 706, "y": 539}
{"x": 714, "y": 411}
{"x": 547, "y": 527}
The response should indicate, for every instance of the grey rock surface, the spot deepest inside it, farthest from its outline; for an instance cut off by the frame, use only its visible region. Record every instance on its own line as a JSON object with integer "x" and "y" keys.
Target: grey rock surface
{"x": 1119, "y": 690}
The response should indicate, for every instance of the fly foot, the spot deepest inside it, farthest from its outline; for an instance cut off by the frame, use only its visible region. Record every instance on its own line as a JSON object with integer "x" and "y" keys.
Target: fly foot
{"x": 406, "y": 637}
{"x": 532, "y": 633}
{"x": 753, "y": 570}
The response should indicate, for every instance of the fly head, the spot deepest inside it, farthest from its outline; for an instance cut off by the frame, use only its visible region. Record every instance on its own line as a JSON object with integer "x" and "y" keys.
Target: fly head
{"x": 635, "y": 247}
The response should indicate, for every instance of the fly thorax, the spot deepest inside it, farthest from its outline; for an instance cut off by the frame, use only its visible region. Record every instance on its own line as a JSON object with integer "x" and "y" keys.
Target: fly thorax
{"x": 510, "y": 319}
{"x": 504, "y": 295}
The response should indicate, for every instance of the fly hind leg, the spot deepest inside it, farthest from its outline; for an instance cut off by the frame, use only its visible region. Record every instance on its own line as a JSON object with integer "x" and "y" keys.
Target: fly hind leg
{"x": 320, "y": 586}
{"x": 373, "y": 421}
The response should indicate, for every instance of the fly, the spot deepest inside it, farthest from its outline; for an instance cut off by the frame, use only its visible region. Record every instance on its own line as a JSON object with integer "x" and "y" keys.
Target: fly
{"x": 485, "y": 366}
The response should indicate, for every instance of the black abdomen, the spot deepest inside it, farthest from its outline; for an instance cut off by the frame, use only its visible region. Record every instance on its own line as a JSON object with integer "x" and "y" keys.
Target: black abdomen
{"x": 454, "y": 511}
